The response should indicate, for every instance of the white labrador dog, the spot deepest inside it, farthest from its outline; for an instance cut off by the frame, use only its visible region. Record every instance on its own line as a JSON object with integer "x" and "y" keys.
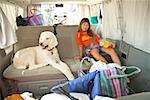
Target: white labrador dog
{"x": 44, "y": 54}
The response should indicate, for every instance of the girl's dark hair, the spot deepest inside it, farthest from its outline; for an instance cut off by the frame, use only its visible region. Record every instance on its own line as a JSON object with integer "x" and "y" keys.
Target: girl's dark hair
{"x": 89, "y": 29}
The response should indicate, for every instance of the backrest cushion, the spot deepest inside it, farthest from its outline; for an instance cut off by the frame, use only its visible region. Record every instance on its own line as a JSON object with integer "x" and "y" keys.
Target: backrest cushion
{"x": 67, "y": 45}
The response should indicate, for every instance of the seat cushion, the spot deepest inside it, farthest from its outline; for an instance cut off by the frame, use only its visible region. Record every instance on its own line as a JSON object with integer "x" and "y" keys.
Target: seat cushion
{"x": 43, "y": 73}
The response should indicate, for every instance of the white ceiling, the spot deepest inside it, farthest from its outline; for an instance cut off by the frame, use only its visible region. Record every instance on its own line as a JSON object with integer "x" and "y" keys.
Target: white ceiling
{"x": 67, "y": 1}
{"x": 27, "y": 2}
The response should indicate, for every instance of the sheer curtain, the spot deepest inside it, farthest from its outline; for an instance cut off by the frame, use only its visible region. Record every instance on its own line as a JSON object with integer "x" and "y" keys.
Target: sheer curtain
{"x": 94, "y": 10}
{"x": 137, "y": 20}
{"x": 129, "y": 19}
{"x": 11, "y": 11}
{"x": 111, "y": 26}
{"x": 82, "y": 11}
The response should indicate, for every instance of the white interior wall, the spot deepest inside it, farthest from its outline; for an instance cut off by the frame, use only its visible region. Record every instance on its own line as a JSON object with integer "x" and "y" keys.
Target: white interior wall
{"x": 128, "y": 21}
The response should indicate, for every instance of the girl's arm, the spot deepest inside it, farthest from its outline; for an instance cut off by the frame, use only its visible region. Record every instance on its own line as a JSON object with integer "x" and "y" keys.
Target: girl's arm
{"x": 97, "y": 37}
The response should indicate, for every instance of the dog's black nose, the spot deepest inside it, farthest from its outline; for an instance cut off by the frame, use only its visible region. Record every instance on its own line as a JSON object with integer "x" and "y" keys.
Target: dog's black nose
{"x": 41, "y": 44}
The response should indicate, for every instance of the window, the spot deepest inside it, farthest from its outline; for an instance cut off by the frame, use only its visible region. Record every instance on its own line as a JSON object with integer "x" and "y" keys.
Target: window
{"x": 66, "y": 14}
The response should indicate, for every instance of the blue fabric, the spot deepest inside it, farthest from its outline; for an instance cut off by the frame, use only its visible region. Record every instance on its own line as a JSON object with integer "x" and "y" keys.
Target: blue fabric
{"x": 96, "y": 90}
{"x": 88, "y": 84}
{"x": 81, "y": 84}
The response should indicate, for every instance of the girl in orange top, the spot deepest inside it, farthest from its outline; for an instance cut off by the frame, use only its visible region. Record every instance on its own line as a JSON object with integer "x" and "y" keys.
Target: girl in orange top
{"x": 85, "y": 36}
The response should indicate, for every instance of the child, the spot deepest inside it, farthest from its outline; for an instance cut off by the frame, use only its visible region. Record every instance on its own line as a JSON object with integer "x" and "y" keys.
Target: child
{"x": 87, "y": 39}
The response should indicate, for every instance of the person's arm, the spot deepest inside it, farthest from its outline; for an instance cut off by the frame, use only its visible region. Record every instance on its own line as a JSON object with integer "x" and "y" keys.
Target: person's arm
{"x": 97, "y": 37}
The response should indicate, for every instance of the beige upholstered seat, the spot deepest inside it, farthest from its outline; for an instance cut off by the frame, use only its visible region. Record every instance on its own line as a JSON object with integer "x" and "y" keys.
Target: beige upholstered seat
{"x": 32, "y": 80}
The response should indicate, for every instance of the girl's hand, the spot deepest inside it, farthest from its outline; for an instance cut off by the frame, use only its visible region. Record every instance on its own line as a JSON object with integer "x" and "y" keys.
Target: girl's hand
{"x": 107, "y": 44}
{"x": 111, "y": 45}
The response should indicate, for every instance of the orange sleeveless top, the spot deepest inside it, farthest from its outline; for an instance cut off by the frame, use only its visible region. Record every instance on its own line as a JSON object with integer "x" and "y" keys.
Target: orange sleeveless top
{"x": 83, "y": 39}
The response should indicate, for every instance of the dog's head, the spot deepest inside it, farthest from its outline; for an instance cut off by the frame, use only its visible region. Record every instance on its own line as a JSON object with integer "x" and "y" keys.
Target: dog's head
{"x": 48, "y": 40}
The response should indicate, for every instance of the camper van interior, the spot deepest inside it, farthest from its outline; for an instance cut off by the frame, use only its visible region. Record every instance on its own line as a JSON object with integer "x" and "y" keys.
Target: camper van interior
{"x": 124, "y": 23}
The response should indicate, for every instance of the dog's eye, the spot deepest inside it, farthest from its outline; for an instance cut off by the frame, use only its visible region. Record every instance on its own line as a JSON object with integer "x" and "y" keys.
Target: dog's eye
{"x": 47, "y": 38}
